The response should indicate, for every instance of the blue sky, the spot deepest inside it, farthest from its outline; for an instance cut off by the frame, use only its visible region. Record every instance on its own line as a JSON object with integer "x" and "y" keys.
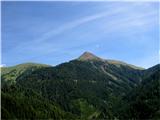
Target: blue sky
{"x": 56, "y": 32}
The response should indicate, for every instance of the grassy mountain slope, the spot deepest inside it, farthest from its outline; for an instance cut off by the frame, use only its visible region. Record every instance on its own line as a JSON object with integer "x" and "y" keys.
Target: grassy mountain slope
{"x": 10, "y": 74}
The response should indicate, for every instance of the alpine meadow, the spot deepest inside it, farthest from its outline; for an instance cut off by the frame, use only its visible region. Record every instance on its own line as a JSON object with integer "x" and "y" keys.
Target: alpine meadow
{"x": 80, "y": 60}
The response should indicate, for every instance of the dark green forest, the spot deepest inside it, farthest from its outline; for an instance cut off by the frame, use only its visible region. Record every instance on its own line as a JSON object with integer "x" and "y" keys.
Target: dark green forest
{"x": 80, "y": 90}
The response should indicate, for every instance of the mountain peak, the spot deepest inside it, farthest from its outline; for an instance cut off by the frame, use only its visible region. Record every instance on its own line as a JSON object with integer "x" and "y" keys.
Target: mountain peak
{"x": 88, "y": 56}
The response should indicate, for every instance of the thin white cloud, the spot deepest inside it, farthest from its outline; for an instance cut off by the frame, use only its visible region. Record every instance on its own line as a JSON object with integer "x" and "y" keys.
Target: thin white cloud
{"x": 134, "y": 18}
{"x": 78, "y": 22}
{"x": 114, "y": 10}
{"x": 2, "y": 65}
{"x": 132, "y": 21}
{"x": 68, "y": 26}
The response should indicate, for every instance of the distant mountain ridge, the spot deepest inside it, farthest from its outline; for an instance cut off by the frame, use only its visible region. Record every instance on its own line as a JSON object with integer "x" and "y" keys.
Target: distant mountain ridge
{"x": 88, "y": 87}
{"x": 86, "y": 56}
{"x": 102, "y": 65}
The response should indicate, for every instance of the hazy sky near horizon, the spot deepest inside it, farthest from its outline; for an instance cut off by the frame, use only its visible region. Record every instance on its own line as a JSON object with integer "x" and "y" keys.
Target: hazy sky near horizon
{"x": 56, "y": 32}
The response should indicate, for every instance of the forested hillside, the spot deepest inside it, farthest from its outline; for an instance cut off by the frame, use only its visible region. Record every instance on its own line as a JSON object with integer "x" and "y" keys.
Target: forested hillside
{"x": 85, "y": 88}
